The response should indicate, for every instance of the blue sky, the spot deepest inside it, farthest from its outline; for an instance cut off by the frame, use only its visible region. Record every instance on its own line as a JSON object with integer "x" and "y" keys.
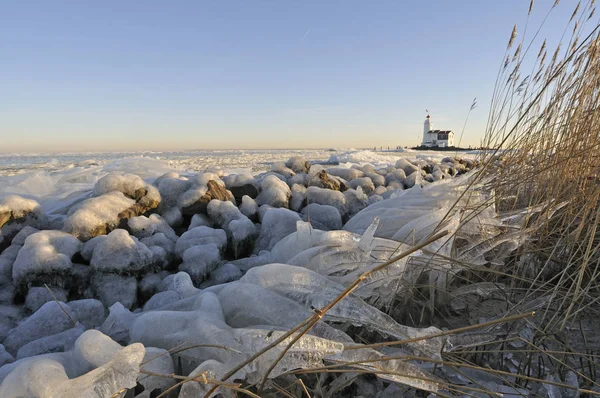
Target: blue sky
{"x": 152, "y": 75}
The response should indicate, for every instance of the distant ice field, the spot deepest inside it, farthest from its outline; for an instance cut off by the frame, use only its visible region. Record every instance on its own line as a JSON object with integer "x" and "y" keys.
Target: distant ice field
{"x": 56, "y": 180}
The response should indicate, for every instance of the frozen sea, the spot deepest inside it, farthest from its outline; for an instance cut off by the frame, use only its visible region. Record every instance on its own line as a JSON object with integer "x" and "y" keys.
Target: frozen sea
{"x": 58, "y": 179}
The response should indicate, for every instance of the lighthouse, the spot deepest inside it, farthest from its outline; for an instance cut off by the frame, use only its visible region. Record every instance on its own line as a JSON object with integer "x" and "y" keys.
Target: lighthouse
{"x": 426, "y": 130}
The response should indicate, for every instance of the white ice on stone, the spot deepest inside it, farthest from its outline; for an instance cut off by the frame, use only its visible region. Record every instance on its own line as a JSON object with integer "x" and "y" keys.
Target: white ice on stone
{"x": 159, "y": 240}
{"x": 89, "y": 312}
{"x": 16, "y": 213}
{"x": 95, "y": 367}
{"x": 327, "y": 197}
{"x": 121, "y": 253}
{"x": 200, "y": 220}
{"x": 298, "y": 198}
{"x": 112, "y": 288}
{"x": 281, "y": 168}
{"x": 249, "y": 208}
{"x": 60, "y": 342}
{"x": 38, "y": 296}
{"x": 347, "y": 174}
{"x": 365, "y": 183}
{"x": 323, "y": 217}
{"x": 20, "y": 237}
{"x": 225, "y": 273}
{"x": 273, "y": 192}
{"x": 201, "y": 236}
{"x": 97, "y": 214}
{"x": 200, "y": 261}
{"x": 356, "y": 200}
{"x": 143, "y": 227}
{"x": 298, "y": 164}
{"x": 240, "y": 230}
{"x": 276, "y": 225}
{"x": 46, "y": 255}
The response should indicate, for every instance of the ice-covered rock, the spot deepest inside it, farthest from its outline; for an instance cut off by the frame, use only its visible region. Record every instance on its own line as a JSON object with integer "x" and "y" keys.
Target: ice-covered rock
{"x": 200, "y": 220}
{"x": 89, "y": 312}
{"x": 20, "y": 237}
{"x": 249, "y": 208}
{"x": 15, "y": 214}
{"x": 117, "y": 324}
{"x": 59, "y": 342}
{"x": 10, "y": 316}
{"x": 5, "y": 357}
{"x": 413, "y": 179}
{"x": 198, "y": 197}
{"x": 240, "y": 230}
{"x": 99, "y": 215}
{"x": 52, "y": 318}
{"x": 298, "y": 199}
{"x": 121, "y": 253}
{"x": 7, "y": 259}
{"x": 356, "y": 200}
{"x": 157, "y": 361}
{"x": 201, "y": 236}
{"x": 276, "y": 225}
{"x": 298, "y": 164}
{"x": 161, "y": 299}
{"x": 95, "y": 367}
{"x": 347, "y": 174}
{"x": 38, "y": 296}
{"x": 225, "y": 273}
{"x": 45, "y": 258}
{"x": 240, "y": 185}
{"x": 300, "y": 178}
{"x": 171, "y": 186}
{"x": 112, "y": 288}
{"x": 323, "y": 180}
{"x": 273, "y": 192}
{"x": 281, "y": 168}
{"x": 173, "y": 216}
{"x": 406, "y": 166}
{"x": 323, "y": 217}
{"x": 159, "y": 240}
{"x": 327, "y": 197}
{"x": 143, "y": 227}
{"x": 365, "y": 183}
{"x": 200, "y": 261}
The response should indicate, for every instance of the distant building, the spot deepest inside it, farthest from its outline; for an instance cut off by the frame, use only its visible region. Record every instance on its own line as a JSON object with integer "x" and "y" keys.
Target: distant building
{"x": 436, "y": 138}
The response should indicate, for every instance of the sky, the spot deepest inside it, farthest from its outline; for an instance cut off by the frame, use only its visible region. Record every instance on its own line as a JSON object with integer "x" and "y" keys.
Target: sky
{"x": 156, "y": 75}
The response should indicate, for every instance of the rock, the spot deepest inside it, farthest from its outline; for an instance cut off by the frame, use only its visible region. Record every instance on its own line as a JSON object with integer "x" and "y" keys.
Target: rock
{"x": 327, "y": 197}
{"x": 147, "y": 287}
{"x": 240, "y": 230}
{"x": 143, "y": 227}
{"x": 323, "y": 217}
{"x": 406, "y": 166}
{"x": 273, "y": 192}
{"x": 7, "y": 259}
{"x": 89, "y": 312}
{"x": 10, "y": 316}
{"x": 161, "y": 241}
{"x": 376, "y": 179}
{"x": 276, "y": 225}
{"x": 173, "y": 217}
{"x": 346, "y": 174}
{"x": 45, "y": 258}
{"x": 300, "y": 178}
{"x": 112, "y": 288}
{"x": 161, "y": 299}
{"x": 121, "y": 253}
{"x": 52, "y": 318}
{"x": 15, "y": 214}
{"x": 171, "y": 186}
{"x": 240, "y": 185}
{"x": 157, "y": 361}
{"x": 298, "y": 199}
{"x": 199, "y": 220}
{"x": 38, "y": 296}
{"x": 281, "y": 168}
{"x": 200, "y": 261}
{"x": 412, "y": 180}
{"x": 364, "y": 183}
{"x": 249, "y": 208}
{"x": 87, "y": 249}
{"x": 5, "y": 357}
{"x": 298, "y": 164}
{"x": 201, "y": 236}
{"x": 356, "y": 200}
{"x": 59, "y": 342}
{"x": 213, "y": 191}
{"x": 322, "y": 180}
{"x": 20, "y": 237}
{"x": 225, "y": 273}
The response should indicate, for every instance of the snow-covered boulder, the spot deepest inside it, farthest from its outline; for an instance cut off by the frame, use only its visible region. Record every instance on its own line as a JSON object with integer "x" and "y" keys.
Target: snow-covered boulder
{"x": 225, "y": 273}
{"x": 281, "y": 168}
{"x": 59, "y": 342}
{"x": 143, "y": 227}
{"x": 274, "y": 192}
{"x": 199, "y": 220}
{"x": 356, "y": 200}
{"x": 45, "y": 258}
{"x": 240, "y": 230}
{"x": 406, "y": 166}
{"x": 323, "y": 217}
{"x": 347, "y": 174}
{"x": 89, "y": 312}
{"x": 38, "y": 296}
{"x": 171, "y": 186}
{"x": 201, "y": 236}
{"x": 276, "y": 225}
{"x": 249, "y": 208}
{"x": 327, "y": 197}
{"x": 298, "y": 199}
{"x": 200, "y": 261}
{"x": 95, "y": 367}
{"x": 53, "y": 317}
{"x": 197, "y": 198}
{"x": 324, "y": 180}
{"x": 5, "y": 357}
{"x": 112, "y": 288}
{"x": 240, "y": 185}
{"x": 121, "y": 253}
{"x": 298, "y": 164}
{"x": 15, "y": 214}
{"x": 365, "y": 183}
{"x": 20, "y": 237}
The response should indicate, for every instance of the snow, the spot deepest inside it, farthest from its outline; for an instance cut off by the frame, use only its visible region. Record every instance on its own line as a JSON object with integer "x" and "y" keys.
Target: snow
{"x": 121, "y": 253}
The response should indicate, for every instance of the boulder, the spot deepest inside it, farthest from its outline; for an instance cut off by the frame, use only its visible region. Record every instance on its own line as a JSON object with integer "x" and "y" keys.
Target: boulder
{"x": 198, "y": 201}
{"x": 17, "y": 213}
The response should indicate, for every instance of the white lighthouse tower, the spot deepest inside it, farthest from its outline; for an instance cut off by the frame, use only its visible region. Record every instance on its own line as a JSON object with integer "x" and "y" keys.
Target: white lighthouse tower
{"x": 426, "y": 129}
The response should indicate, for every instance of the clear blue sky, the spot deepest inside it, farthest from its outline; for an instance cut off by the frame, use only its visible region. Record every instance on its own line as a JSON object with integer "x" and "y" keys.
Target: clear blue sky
{"x": 152, "y": 75}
